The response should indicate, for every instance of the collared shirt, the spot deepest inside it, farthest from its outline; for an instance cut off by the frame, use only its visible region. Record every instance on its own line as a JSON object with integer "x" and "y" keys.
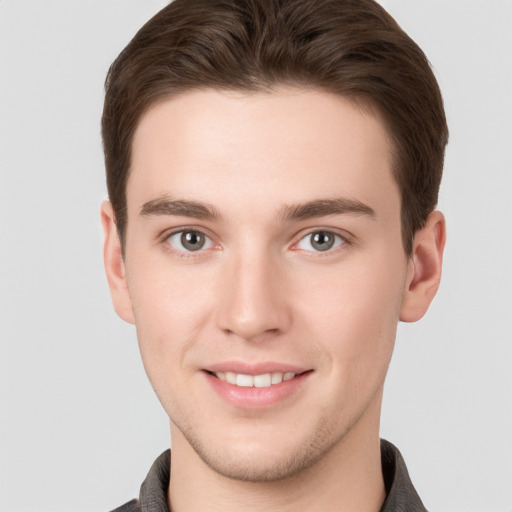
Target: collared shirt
{"x": 401, "y": 495}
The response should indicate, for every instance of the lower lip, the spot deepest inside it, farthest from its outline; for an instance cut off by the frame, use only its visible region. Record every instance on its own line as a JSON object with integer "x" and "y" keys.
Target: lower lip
{"x": 256, "y": 398}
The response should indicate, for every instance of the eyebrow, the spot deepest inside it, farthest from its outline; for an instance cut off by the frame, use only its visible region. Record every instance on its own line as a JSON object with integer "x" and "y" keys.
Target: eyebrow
{"x": 325, "y": 207}
{"x": 183, "y": 208}
{"x": 204, "y": 211}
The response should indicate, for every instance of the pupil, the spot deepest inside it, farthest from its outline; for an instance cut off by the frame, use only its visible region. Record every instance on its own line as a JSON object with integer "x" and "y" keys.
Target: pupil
{"x": 192, "y": 240}
{"x": 322, "y": 241}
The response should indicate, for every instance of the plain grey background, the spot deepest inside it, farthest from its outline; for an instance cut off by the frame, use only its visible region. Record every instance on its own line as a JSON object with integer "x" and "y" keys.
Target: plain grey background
{"x": 80, "y": 425}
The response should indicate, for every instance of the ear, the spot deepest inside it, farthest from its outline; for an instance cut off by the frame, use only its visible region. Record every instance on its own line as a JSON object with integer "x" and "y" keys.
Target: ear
{"x": 114, "y": 265}
{"x": 424, "y": 271}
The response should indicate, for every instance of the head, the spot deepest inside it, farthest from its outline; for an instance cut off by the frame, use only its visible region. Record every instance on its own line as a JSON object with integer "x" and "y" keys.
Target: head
{"x": 272, "y": 168}
{"x": 348, "y": 47}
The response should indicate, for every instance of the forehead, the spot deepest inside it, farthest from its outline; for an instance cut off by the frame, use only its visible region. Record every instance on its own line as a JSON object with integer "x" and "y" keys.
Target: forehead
{"x": 282, "y": 146}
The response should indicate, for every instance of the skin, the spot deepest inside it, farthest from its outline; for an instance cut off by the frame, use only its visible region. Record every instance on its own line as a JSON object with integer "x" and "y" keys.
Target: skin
{"x": 259, "y": 291}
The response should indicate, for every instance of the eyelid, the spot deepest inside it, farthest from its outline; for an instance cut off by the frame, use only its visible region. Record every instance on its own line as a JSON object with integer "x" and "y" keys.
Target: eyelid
{"x": 345, "y": 237}
{"x": 164, "y": 239}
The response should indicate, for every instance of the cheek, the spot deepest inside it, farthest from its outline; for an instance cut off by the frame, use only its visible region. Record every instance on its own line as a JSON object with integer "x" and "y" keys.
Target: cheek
{"x": 171, "y": 309}
{"x": 355, "y": 314}
{"x": 169, "y": 316}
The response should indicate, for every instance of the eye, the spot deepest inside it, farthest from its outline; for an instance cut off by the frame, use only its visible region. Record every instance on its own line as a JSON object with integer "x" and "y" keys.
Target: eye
{"x": 320, "y": 241}
{"x": 189, "y": 240}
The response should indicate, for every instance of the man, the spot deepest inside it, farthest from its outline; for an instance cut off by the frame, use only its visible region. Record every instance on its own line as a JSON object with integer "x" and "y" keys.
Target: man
{"x": 273, "y": 169}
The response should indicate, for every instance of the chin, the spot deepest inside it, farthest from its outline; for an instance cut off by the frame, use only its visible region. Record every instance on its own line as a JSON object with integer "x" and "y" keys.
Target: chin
{"x": 254, "y": 461}
{"x": 249, "y": 468}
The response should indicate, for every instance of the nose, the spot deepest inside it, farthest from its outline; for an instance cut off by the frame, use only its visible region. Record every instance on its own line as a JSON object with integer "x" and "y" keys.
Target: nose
{"x": 252, "y": 301}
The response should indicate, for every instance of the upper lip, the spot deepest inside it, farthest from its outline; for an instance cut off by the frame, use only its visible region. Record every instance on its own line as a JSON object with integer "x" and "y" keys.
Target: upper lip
{"x": 245, "y": 368}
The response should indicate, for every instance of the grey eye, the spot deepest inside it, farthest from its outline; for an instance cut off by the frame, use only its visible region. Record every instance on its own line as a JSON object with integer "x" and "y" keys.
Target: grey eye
{"x": 320, "y": 241}
{"x": 189, "y": 241}
{"x": 192, "y": 240}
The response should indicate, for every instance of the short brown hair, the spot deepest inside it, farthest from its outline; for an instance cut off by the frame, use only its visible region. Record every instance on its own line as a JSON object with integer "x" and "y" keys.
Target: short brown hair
{"x": 350, "y": 47}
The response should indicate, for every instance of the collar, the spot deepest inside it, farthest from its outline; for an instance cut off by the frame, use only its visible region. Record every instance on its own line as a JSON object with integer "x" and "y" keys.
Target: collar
{"x": 401, "y": 495}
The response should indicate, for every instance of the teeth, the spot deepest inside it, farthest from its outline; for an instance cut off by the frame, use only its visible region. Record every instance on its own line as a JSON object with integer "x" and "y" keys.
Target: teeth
{"x": 245, "y": 381}
{"x": 277, "y": 378}
{"x": 258, "y": 381}
{"x": 262, "y": 381}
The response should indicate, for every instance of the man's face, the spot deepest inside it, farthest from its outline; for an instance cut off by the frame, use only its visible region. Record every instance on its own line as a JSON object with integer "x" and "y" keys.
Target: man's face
{"x": 263, "y": 242}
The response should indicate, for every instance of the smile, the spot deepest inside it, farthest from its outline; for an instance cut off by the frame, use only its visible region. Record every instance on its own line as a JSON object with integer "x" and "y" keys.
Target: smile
{"x": 256, "y": 389}
{"x": 264, "y": 380}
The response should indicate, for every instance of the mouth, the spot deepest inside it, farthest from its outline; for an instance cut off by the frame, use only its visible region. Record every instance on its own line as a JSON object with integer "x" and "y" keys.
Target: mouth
{"x": 257, "y": 385}
{"x": 257, "y": 389}
{"x": 264, "y": 380}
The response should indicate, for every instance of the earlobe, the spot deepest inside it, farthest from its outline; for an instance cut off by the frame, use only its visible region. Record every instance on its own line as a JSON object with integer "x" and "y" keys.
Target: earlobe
{"x": 114, "y": 265}
{"x": 425, "y": 265}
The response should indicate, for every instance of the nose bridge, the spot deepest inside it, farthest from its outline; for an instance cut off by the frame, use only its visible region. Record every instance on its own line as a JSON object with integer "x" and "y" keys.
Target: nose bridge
{"x": 252, "y": 302}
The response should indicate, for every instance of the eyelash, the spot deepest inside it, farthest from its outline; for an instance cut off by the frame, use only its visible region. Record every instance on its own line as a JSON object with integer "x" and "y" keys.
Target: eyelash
{"x": 183, "y": 252}
{"x": 339, "y": 242}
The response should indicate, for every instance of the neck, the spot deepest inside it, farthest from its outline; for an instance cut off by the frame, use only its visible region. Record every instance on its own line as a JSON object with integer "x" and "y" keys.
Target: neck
{"x": 348, "y": 478}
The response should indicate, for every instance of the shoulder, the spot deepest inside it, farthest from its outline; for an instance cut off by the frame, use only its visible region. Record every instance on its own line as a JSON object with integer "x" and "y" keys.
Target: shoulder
{"x": 131, "y": 506}
{"x": 153, "y": 491}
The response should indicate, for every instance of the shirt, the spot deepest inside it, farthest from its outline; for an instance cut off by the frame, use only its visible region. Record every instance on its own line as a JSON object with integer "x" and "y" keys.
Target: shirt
{"x": 401, "y": 495}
